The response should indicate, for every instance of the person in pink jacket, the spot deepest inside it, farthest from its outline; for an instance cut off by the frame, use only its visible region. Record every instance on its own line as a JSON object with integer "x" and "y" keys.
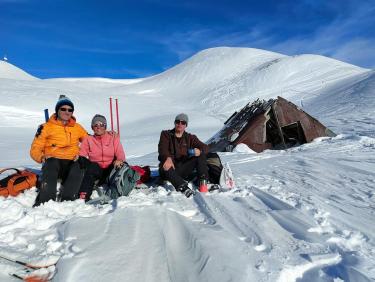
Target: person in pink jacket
{"x": 103, "y": 152}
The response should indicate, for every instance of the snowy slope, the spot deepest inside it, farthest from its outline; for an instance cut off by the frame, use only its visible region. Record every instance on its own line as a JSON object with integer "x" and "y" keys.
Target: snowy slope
{"x": 9, "y": 71}
{"x": 306, "y": 212}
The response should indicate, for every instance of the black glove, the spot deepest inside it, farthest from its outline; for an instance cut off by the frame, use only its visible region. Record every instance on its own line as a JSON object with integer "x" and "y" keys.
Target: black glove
{"x": 83, "y": 162}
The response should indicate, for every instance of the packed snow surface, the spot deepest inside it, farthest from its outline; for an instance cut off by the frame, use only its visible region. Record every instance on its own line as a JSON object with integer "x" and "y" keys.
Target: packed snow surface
{"x": 302, "y": 214}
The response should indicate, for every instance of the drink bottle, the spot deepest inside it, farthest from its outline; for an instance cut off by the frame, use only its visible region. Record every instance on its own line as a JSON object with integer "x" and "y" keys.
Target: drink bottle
{"x": 203, "y": 185}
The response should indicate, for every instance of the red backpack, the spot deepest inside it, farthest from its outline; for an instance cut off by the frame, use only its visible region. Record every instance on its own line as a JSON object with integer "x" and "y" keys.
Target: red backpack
{"x": 143, "y": 171}
{"x": 15, "y": 183}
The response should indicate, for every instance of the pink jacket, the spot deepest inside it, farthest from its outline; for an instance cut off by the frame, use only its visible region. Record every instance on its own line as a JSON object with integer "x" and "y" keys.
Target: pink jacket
{"x": 102, "y": 149}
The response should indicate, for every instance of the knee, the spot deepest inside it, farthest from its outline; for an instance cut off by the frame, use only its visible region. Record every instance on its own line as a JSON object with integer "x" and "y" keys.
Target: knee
{"x": 51, "y": 167}
{"x": 93, "y": 167}
{"x": 202, "y": 156}
{"x": 166, "y": 173}
{"x": 90, "y": 176}
{"x": 75, "y": 168}
{"x": 51, "y": 163}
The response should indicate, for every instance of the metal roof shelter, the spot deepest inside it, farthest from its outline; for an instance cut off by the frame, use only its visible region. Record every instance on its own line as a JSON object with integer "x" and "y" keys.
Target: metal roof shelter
{"x": 273, "y": 124}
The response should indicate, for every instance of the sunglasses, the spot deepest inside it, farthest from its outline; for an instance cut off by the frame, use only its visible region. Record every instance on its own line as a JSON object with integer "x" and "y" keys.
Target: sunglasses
{"x": 70, "y": 110}
{"x": 99, "y": 125}
{"x": 180, "y": 121}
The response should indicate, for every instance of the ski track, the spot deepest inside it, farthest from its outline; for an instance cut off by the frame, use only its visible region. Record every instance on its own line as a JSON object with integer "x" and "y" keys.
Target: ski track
{"x": 345, "y": 242}
{"x": 270, "y": 231}
{"x": 170, "y": 246}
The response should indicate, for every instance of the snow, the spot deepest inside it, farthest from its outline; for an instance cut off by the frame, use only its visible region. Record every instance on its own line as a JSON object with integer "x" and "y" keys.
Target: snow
{"x": 243, "y": 148}
{"x": 302, "y": 214}
{"x": 8, "y": 71}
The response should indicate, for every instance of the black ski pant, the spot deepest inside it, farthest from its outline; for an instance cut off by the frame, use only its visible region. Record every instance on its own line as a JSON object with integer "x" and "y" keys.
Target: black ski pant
{"x": 70, "y": 174}
{"x": 184, "y": 169}
{"x": 93, "y": 173}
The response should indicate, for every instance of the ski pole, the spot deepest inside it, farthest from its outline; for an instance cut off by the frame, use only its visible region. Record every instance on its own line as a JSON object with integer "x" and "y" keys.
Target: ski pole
{"x": 110, "y": 110}
{"x": 117, "y": 118}
{"x": 46, "y": 114}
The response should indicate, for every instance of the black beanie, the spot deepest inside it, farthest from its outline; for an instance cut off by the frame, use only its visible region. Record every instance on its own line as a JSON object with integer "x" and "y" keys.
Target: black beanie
{"x": 62, "y": 102}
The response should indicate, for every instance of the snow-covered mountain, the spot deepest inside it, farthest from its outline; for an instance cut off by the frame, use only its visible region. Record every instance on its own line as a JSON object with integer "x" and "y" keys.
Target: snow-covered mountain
{"x": 305, "y": 212}
{"x": 9, "y": 71}
{"x": 212, "y": 84}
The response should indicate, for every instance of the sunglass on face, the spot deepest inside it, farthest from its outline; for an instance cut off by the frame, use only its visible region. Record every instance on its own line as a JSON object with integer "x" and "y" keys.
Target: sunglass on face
{"x": 70, "y": 110}
{"x": 99, "y": 125}
{"x": 180, "y": 121}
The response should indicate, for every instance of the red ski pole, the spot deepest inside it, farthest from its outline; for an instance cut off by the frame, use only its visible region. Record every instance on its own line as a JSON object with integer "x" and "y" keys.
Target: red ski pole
{"x": 117, "y": 118}
{"x": 110, "y": 110}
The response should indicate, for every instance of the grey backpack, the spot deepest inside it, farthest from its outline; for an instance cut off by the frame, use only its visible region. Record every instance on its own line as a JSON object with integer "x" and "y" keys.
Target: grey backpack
{"x": 121, "y": 182}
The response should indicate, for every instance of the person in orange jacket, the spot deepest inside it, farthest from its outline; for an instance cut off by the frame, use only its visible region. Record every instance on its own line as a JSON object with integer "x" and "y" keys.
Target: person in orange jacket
{"x": 56, "y": 146}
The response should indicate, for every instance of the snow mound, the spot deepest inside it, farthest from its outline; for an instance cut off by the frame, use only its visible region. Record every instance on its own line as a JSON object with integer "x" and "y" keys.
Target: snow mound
{"x": 243, "y": 148}
{"x": 97, "y": 79}
{"x": 10, "y": 71}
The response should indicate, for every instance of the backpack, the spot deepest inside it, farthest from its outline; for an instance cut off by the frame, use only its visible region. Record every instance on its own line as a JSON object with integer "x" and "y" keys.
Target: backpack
{"x": 144, "y": 173}
{"x": 14, "y": 184}
{"x": 215, "y": 167}
{"x": 219, "y": 173}
{"x": 121, "y": 182}
{"x": 226, "y": 178}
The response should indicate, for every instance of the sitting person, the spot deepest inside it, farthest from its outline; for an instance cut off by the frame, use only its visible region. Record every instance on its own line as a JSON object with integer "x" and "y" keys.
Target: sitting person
{"x": 175, "y": 164}
{"x": 103, "y": 152}
{"x": 56, "y": 145}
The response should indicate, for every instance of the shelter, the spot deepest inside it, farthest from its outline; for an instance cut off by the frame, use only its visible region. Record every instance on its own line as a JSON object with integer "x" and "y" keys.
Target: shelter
{"x": 273, "y": 124}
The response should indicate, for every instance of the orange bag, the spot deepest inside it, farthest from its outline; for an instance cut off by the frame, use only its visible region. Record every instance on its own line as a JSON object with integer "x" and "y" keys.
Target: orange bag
{"x": 15, "y": 183}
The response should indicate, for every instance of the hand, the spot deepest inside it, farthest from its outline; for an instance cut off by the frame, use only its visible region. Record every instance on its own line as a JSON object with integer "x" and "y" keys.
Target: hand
{"x": 113, "y": 133}
{"x": 118, "y": 163}
{"x": 197, "y": 152}
{"x": 168, "y": 164}
{"x": 44, "y": 158}
{"x": 76, "y": 158}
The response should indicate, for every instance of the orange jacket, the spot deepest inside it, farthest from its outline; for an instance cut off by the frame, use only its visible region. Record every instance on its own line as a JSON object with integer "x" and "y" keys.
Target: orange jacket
{"x": 54, "y": 139}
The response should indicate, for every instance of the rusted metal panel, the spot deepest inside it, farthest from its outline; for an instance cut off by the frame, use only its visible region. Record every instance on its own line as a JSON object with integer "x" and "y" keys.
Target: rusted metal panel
{"x": 289, "y": 113}
{"x": 253, "y": 135}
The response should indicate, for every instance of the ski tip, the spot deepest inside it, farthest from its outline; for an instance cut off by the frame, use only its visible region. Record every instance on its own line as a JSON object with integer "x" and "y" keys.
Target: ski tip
{"x": 35, "y": 279}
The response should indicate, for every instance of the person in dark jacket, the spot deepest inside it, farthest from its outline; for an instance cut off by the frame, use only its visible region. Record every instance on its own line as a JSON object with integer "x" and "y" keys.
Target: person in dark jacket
{"x": 180, "y": 153}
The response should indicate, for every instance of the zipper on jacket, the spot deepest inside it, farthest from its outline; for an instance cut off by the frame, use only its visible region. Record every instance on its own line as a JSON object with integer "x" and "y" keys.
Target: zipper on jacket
{"x": 68, "y": 135}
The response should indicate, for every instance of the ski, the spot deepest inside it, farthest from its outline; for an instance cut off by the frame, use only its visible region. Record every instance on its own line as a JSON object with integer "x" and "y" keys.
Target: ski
{"x": 26, "y": 264}
{"x": 32, "y": 275}
{"x": 32, "y": 272}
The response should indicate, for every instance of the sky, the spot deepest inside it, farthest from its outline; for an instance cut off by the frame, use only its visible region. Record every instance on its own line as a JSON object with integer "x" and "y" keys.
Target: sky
{"x": 131, "y": 39}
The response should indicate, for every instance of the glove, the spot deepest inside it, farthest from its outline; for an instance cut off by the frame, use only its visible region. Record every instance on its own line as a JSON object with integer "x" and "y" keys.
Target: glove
{"x": 83, "y": 162}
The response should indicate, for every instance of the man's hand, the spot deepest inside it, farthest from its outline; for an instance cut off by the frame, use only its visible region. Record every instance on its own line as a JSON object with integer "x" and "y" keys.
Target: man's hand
{"x": 197, "y": 152}
{"x": 118, "y": 163}
{"x": 168, "y": 164}
{"x": 44, "y": 158}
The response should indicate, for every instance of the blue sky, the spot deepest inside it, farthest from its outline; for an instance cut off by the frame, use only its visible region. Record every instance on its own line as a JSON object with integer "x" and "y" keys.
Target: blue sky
{"x": 127, "y": 39}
